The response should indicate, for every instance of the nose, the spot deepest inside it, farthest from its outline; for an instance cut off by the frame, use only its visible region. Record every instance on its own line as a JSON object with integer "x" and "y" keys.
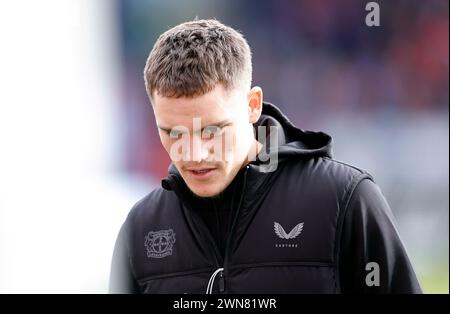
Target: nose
{"x": 201, "y": 148}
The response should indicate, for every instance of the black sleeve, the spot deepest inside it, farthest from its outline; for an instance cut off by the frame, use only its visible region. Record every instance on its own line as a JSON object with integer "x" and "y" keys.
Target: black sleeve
{"x": 369, "y": 235}
{"x": 121, "y": 278}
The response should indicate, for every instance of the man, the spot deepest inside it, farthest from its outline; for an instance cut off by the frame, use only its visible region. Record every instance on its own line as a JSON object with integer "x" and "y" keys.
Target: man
{"x": 252, "y": 204}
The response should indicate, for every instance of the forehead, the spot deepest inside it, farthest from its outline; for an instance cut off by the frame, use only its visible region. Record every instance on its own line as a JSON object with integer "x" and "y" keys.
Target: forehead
{"x": 217, "y": 105}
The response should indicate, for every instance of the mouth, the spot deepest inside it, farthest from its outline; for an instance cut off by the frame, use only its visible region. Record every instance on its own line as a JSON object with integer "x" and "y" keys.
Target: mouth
{"x": 201, "y": 172}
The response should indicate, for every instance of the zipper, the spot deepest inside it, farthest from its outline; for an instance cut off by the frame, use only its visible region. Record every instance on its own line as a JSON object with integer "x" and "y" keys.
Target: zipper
{"x": 221, "y": 283}
{"x": 216, "y": 252}
{"x": 224, "y": 273}
{"x": 218, "y": 259}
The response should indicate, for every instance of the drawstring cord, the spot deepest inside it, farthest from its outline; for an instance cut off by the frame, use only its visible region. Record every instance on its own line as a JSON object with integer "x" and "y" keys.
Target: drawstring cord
{"x": 211, "y": 281}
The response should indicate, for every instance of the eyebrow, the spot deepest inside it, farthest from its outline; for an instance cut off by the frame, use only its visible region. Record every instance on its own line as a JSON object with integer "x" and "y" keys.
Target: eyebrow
{"x": 217, "y": 124}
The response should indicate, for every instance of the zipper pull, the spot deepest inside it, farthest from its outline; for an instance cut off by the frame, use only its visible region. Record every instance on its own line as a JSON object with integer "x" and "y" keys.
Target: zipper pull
{"x": 221, "y": 283}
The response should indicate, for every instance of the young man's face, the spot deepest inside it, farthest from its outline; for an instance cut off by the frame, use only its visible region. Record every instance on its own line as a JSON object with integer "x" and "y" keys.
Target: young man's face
{"x": 209, "y": 137}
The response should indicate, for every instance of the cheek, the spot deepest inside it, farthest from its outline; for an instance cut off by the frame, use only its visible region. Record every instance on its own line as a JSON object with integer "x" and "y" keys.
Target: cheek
{"x": 165, "y": 141}
{"x": 168, "y": 144}
{"x": 241, "y": 141}
{"x": 233, "y": 144}
{"x": 230, "y": 142}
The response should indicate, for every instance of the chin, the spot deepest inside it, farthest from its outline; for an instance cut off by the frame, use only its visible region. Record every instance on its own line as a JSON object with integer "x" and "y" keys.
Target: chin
{"x": 205, "y": 192}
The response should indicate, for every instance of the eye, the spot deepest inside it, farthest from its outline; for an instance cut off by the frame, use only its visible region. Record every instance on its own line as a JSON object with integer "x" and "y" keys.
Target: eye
{"x": 211, "y": 131}
{"x": 174, "y": 133}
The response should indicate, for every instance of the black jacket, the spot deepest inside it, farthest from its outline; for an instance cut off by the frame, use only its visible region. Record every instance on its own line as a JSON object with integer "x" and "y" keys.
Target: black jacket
{"x": 314, "y": 225}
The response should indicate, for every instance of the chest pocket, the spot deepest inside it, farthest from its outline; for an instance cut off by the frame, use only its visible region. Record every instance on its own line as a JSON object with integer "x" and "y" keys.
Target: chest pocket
{"x": 191, "y": 282}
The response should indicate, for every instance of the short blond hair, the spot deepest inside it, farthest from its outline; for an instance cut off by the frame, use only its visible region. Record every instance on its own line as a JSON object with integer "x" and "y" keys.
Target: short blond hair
{"x": 190, "y": 59}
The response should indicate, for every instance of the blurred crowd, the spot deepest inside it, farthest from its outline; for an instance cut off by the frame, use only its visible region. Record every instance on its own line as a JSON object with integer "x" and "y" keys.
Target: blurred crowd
{"x": 313, "y": 58}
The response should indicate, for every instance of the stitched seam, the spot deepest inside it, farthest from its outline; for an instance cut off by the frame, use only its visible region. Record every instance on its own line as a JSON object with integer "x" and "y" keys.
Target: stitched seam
{"x": 340, "y": 221}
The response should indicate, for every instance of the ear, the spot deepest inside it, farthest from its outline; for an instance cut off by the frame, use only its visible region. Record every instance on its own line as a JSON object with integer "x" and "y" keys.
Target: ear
{"x": 254, "y": 100}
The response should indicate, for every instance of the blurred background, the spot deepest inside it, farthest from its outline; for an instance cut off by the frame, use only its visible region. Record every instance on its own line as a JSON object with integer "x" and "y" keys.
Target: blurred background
{"x": 78, "y": 144}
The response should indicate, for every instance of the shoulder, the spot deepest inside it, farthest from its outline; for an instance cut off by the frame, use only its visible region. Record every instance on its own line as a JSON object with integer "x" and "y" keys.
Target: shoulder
{"x": 152, "y": 208}
{"x": 320, "y": 184}
{"x": 325, "y": 172}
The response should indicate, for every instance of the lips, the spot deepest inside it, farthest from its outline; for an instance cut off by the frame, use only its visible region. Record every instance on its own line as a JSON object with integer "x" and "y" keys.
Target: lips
{"x": 201, "y": 172}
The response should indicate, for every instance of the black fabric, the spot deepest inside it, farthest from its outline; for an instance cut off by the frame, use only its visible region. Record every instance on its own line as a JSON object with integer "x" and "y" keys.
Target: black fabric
{"x": 370, "y": 235}
{"x": 218, "y": 212}
{"x": 122, "y": 279}
{"x": 334, "y": 220}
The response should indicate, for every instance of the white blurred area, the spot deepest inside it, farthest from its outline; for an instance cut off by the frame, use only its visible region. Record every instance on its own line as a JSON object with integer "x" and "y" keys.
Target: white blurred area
{"x": 62, "y": 199}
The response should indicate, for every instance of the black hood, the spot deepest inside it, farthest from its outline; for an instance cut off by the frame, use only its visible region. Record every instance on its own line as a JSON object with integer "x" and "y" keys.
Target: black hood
{"x": 292, "y": 141}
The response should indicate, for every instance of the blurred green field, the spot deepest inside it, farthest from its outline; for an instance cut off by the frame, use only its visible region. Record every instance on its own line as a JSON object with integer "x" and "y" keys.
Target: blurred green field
{"x": 434, "y": 277}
